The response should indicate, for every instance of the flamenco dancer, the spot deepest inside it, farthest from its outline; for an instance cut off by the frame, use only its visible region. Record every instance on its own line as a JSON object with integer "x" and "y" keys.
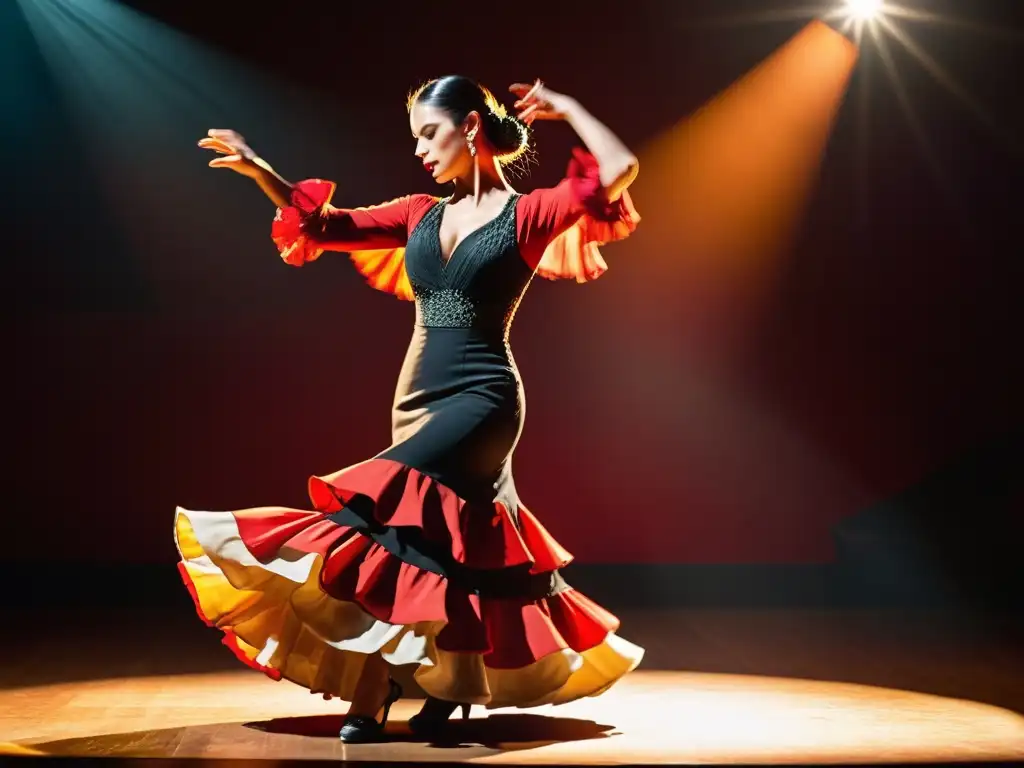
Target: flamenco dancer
{"x": 424, "y": 554}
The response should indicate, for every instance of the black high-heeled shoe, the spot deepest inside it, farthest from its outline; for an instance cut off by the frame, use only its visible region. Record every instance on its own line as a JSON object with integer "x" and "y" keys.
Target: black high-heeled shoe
{"x": 433, "y": 717}
{"x": 360, "y": 729}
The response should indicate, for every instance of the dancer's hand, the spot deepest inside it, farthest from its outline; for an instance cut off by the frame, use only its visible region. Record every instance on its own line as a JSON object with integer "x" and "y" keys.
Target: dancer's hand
{"x": 538, "y": 102}
{"x": 238, "y": 156}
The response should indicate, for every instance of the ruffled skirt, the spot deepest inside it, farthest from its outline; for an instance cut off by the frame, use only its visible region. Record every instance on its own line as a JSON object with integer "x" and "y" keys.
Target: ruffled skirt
{"x": 391, "y": 561}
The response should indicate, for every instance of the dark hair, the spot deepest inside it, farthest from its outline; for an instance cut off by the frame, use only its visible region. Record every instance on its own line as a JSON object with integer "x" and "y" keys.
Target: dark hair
{"x": 458, "y": 96}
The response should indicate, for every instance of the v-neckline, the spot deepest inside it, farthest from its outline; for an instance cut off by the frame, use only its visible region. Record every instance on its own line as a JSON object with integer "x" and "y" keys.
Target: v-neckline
{"x": 440, "y": 222}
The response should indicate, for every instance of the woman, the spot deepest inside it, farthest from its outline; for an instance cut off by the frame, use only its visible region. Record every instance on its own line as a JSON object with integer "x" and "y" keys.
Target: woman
{"x": 424, "y": 554}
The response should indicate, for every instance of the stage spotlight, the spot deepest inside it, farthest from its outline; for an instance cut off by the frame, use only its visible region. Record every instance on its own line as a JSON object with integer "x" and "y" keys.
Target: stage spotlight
{"x": 855, "y": 17}
{"x": 864, "y": 10}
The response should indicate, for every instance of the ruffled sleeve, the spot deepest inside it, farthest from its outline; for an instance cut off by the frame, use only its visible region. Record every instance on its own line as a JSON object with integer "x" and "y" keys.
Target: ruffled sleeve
{"x": 562, "y": 227}
{"x": 374, "y": 237}
{"x": 289, "y": 232}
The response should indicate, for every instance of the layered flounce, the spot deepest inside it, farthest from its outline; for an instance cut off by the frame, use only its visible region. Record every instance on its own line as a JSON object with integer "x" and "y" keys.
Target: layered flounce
{"x": 383, "y": 268}
{"x": 575, "y": 253}
{"x": 303, "y": 597}
{"x": 288, "y": 231}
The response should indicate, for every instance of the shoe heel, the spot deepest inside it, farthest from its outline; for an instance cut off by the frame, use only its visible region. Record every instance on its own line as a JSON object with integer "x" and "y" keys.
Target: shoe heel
{"x": 384, "y": 717}
{"x": 394, "y": 694}
{"x": 465, "y": 711}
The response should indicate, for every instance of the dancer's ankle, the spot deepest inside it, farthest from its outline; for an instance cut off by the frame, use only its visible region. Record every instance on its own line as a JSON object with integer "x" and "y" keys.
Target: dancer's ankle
{"x": 371, "y": 691}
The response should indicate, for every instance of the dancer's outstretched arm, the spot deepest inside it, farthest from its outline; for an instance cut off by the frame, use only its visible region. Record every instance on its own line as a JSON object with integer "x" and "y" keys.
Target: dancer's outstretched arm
{"x": 306, "y": 223}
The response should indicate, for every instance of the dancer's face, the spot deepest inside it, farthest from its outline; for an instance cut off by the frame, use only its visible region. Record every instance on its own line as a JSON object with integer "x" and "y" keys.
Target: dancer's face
{"x": 441, "y": 144}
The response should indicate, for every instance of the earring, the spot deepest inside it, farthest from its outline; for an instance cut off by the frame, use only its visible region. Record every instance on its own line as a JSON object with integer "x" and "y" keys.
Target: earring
{"x": 472, "y": 147}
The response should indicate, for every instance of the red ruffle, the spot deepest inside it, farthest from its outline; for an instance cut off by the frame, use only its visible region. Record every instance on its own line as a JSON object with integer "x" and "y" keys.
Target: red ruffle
{"x": 308, "y": 198}
{"x": 575, "y": 253}
{"x": 510, "y": 632}
{"x": 478, "y": 535}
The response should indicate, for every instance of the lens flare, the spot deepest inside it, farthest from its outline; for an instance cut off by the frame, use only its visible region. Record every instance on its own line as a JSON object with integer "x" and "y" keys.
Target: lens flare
{"x": 864, "y": 10}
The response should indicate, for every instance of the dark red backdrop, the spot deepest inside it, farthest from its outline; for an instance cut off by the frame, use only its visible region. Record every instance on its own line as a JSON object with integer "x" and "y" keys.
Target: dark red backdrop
{"x": 160, "y": 353}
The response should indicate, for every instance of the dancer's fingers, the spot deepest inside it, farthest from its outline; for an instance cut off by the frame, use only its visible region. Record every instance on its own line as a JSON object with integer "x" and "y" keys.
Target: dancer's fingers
{"x": 217, "y": 146}
{"x": 225, "y": 162}
{"x": 529, "y": 114}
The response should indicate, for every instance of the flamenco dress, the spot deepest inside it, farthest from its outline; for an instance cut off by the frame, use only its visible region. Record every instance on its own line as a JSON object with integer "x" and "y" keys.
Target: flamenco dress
{"x": 425, "y": 553}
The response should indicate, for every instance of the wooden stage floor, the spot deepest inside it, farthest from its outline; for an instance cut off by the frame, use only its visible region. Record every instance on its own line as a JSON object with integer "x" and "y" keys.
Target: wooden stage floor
{"x": 768, "y": 686}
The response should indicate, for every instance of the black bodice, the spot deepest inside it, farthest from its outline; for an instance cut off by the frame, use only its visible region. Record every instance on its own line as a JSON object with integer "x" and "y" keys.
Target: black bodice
{"x": 483, "y": 281}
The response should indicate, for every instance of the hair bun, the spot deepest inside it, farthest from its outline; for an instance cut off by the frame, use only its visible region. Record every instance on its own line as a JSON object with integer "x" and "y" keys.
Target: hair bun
{"x": 508, "y": 134}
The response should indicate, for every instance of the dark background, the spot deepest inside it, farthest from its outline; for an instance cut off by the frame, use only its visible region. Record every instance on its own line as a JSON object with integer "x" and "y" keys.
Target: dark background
{"x": 159, "y": 353}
